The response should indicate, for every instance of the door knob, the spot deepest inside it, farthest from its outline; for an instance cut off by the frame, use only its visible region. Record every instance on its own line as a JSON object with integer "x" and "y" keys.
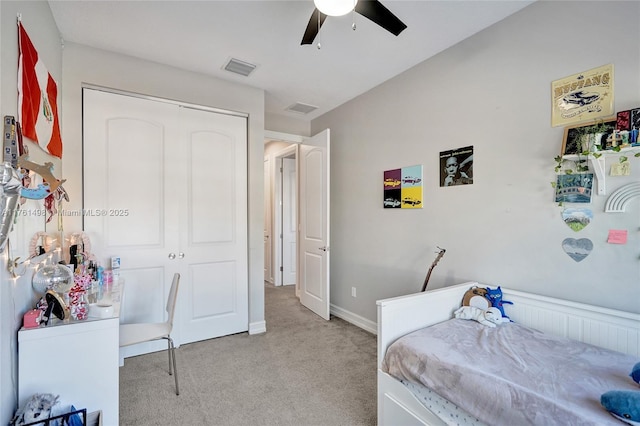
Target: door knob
{"x": 325, "y": 248}
{"x": 172, "y": 256}
{"x": 181, "y": 255}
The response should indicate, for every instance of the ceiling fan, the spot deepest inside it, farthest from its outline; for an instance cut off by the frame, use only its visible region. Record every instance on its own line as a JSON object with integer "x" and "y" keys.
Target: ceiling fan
{"x": 371, "y": 9}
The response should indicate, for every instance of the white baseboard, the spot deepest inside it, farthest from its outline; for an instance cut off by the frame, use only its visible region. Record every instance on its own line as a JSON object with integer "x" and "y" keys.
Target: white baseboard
{"x": 258, "y": 327}
{"x": 354, "y": 319}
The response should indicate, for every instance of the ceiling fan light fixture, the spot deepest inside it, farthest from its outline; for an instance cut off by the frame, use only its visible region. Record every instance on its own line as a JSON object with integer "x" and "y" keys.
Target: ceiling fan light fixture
{"x": 335, "y": 7}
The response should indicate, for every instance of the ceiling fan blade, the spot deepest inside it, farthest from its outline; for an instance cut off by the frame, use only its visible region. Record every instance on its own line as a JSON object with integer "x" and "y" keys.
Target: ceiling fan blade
{"x": 315, "y": 22}
{"x": 376, "y": 12}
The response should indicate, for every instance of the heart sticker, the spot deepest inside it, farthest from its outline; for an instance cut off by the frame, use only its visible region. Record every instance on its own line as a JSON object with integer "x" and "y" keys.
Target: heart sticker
{"x": 577, "y": 249}
{"x": 577, "y": 219}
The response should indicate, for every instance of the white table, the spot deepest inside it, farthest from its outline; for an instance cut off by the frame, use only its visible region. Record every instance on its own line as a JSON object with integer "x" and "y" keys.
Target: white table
{"x": 77, "y": 360}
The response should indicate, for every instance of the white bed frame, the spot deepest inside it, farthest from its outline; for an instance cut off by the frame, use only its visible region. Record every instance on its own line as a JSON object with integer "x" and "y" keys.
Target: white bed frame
{"x": 608, "y": 328}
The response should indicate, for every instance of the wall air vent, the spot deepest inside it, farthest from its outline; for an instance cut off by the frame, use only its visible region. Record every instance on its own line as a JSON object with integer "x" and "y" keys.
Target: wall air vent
{"x": 239, "y": 67}
{"x": 301, "y": 108}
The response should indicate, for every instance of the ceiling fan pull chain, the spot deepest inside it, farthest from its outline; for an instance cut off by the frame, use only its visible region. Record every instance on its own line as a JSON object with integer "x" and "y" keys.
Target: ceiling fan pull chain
{"x": 353, "y": 16}
{"x": 319, "y": 46}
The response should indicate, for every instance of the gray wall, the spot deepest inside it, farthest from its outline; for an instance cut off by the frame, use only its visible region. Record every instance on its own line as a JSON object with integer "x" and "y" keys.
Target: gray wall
{"x": 491, "y": 91}
{"x": 16, "y": 295}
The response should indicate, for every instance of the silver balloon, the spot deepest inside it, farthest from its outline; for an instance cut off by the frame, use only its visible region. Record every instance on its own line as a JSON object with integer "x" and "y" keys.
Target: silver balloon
{"x": 10, "y": 185}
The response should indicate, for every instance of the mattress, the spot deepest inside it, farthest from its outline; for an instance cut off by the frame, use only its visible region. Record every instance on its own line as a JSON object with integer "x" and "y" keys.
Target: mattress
{"x": 448, "y": 412}
{"x": 511, "y": 374}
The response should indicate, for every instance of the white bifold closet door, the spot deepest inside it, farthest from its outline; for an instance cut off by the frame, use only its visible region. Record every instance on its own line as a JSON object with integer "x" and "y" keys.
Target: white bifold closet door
{"x": 165, "y": 189}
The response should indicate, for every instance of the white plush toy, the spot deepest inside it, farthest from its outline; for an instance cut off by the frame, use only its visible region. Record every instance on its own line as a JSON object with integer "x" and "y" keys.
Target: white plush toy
{"x": 489, "y": 317}
{"x": 38, "y": 407}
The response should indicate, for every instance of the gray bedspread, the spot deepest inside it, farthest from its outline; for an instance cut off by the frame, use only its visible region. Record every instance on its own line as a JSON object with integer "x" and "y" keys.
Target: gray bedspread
{"x": 511, "y": 374}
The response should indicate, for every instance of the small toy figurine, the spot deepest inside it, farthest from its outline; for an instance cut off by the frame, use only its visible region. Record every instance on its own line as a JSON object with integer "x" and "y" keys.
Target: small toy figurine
{"x": 495, "y": 296}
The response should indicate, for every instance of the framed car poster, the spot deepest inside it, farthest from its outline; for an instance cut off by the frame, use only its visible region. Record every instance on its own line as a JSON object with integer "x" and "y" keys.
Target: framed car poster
{"x": 403, "y": 188}
{"x": 584, "y": 96}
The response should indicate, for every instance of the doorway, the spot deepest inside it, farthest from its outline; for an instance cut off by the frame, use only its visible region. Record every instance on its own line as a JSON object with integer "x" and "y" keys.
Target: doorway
{"x": 288, "y": 219}
{"x": 300, "y": 207}
{"x": 282, "y": 209}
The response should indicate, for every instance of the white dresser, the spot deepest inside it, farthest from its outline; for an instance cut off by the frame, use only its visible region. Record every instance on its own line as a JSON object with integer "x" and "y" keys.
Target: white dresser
{"x": 77, "y": 360}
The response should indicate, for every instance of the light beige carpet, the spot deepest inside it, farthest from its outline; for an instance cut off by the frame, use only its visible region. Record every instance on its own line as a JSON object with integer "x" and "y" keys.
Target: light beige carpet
{"x": 302, "y": 371}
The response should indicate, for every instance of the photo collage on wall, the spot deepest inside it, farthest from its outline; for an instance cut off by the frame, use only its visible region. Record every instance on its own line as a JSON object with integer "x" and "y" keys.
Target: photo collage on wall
{"x": 403, "y": 188}
{"x": 456, "y": 167}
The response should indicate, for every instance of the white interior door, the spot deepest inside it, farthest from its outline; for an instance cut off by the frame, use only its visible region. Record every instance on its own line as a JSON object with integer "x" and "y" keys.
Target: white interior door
{"x": 213, "y": 231}
{"x": 126, "y": 144}
{"x": 314, "y": 223}
{"x": 289, "y": 221}
{"x": 172, "y": 182}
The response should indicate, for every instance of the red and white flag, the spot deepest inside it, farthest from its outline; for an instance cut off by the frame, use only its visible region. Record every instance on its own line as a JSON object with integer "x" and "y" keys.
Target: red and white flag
{"x": 37, "y": 98}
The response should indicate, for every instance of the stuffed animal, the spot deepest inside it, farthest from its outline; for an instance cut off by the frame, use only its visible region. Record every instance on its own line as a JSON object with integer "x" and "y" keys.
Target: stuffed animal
{"x": 489, "y": 317}
{"x": 38, "y": 407}
{"x": 635, "y": 373}
{"x": 495, "y": 296}
{"x": 493, "y": 314}
{"x": 476, "y": 296}
{"x": 624, "y": 404}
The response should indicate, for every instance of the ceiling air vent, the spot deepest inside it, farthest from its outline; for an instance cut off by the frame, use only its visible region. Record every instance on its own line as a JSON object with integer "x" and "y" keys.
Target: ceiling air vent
{"x": 302, "y": 108}
{"x": 239, "y": 67}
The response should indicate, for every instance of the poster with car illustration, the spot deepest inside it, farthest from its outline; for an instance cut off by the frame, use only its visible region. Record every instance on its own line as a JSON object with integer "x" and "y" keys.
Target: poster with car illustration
{"x": 403, "y": 188}
{"x": 583, "y": 96}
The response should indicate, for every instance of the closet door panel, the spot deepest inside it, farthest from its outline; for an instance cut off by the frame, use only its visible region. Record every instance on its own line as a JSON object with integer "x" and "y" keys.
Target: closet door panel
{"x": 215, "y": 239}
{"x": 213, "y": 285}
{"x": 126, "y": 143}
{"x": 134, "y": 183}
{"x": 211, "y": 195}
{"x": 128, "y": 147}
{"x": 152, "y": 309}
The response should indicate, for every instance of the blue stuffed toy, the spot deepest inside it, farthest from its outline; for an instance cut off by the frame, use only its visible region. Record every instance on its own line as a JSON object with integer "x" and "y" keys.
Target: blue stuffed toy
{"x": 495, "y": 297}
{"x": 635, "y": 373}
{"x": 624, "y": 404}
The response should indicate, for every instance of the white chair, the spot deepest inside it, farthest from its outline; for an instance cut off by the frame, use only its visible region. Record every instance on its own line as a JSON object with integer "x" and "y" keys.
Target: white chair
{"x": 130, "y": 334}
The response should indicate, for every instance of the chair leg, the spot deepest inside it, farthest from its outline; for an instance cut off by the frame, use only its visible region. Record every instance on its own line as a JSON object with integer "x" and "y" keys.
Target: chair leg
{"x": 175, "y": 369}
{"x": 171, "y": 350}
{"x": 169, "y": 353}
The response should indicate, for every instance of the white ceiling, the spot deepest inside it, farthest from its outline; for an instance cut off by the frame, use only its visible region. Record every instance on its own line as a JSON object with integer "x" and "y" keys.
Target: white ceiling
{"x": 202, "y": 36}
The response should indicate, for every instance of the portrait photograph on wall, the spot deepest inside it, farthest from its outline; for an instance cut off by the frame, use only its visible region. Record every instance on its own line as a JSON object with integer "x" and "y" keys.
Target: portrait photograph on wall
{"x": 403, "y": 188}
{"x": 456, "y": 167}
